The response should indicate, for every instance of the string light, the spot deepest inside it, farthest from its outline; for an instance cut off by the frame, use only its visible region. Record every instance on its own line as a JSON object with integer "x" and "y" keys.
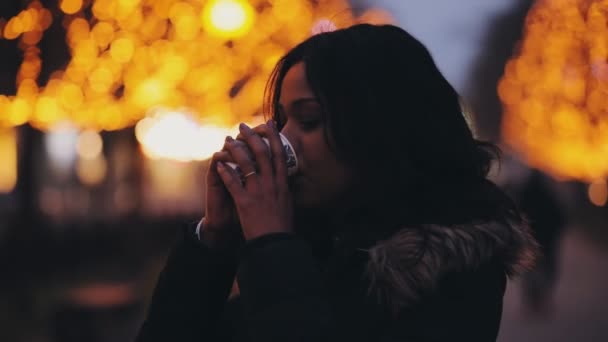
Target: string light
{"x": 128, "y": 56}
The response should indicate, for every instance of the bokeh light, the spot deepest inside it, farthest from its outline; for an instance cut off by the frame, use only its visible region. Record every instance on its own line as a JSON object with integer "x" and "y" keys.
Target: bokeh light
{"x": 228, "y": 18}
{"x": 8, "y": 160}
{"x": 70, "y": 6}
{"x": 176, "y": 135}
{"x": 60, "y": 145}
{"x": 128, "y": 56}
{"x": 598, "y": 192}
{"x": 122, "y": 50}
{"x": 89, "y": 145}
{"x": 554, "y": 90}
{"x": 93, "y": 171}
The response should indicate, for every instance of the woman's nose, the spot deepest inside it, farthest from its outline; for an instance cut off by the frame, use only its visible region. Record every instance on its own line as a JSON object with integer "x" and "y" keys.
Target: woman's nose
{"x": 286, "y": 131}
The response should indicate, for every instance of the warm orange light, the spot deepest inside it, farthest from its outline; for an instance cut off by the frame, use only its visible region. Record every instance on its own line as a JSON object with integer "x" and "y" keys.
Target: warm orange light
{"x": 46, "y": 18}
{"x": 174, "y": 68}
{"x": 598, "y": 193}
{"x": 149, "y": 93}
{"x": 122, "y": 50}
{"x": 554, "y": 90}
{"x": 85, "y": 54}
{"x": 176, "y": 135}
{"x": 28, "y": 88}
{"x": 8, "y": 160}
{"x": 70, "y": 6}
{"x": 101, "y": 79}
{"x": 186, "y": 27}
{"x": 128, "y": 56}
{"x": 78, "y": 30}
{"x": 27, "y": 20}
{"x": 48, "y": 111}
{"x": 30, "y": 69}
{"x": 71, "y": 96}
{"x": 32, "y": 37}
{"x": 20, "y": 111}
{"x": 228, "y": 18}
{"x": 5, "y": 104}
{"x": 89, "y": 145}
{"x": 91, "y": 171}
{"x": 13, "y": 28}
{"x": 103, "y": 34}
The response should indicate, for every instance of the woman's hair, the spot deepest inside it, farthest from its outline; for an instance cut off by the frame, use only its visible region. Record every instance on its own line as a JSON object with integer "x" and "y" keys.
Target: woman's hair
{"x": 394, "y": 118}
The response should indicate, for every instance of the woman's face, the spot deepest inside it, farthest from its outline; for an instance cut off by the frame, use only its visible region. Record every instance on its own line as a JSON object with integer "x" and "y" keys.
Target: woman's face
{"x": 321, "y": 181}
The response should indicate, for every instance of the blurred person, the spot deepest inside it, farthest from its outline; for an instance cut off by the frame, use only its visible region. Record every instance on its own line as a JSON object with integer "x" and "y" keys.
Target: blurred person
{"x": 389, "y": 231}
{"x": 544, "y": 213}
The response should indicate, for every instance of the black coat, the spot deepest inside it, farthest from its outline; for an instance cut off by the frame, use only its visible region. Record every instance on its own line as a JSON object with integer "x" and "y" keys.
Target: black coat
{"x": 427, "y": 284}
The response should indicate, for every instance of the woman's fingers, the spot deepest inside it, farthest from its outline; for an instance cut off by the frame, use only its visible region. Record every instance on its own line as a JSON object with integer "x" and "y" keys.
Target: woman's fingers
{"x": 259, "y": 130}
{"x": 223, "y": 156}
{"x": 263, "y": 206}
{"x": 212, "y": 176}
{"x": 259, "y": 148}
{"x": 278, "y": 158}
{"x": 231, "y": 180}
{"x": 239, "y": 151}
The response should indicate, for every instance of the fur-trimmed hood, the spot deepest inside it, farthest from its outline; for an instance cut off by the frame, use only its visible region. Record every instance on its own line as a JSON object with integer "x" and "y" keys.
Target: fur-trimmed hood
{"x": 412, "y": 261}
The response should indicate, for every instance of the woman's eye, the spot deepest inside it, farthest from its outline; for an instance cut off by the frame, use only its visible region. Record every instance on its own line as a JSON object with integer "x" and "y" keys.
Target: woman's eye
{"x": 309, "y": 125}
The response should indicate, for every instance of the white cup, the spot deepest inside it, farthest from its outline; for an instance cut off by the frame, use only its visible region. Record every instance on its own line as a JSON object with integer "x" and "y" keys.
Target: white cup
{"x": 290, "y": 154}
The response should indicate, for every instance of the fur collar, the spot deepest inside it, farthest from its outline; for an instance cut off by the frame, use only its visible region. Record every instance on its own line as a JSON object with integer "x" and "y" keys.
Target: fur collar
{"x": 413, "y": 261}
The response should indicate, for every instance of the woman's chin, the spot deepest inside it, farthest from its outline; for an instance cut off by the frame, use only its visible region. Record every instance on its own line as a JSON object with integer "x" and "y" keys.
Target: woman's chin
{"x": 306, "y": 198}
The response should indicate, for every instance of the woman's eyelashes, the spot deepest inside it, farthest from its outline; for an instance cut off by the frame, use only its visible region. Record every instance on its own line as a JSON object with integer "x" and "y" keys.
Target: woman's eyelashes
{"x": 305, "y": 120}
{"x": 309, "y": 125}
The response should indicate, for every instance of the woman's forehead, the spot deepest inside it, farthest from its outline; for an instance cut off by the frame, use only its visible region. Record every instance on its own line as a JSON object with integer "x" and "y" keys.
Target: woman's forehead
{"x": 295, "y": 85}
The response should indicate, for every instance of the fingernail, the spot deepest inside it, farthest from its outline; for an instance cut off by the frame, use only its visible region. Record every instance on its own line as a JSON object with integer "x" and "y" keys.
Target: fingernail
{"x": 270, "y": 124}
{"x": 244, "y": 127}
{"x": 229, "y": 139}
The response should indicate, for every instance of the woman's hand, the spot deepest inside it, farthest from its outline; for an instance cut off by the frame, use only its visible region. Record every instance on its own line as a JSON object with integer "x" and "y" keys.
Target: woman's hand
{"x": 221, "y": 226}
{"x": 262, "y": 198}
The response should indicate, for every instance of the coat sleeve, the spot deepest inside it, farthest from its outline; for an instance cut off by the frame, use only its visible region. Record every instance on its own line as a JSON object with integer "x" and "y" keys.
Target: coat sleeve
{"x": 190, "y": 293}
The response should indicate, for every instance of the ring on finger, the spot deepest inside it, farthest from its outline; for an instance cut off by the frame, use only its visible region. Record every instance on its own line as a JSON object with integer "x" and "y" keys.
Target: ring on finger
{"x": 249, "y": 174}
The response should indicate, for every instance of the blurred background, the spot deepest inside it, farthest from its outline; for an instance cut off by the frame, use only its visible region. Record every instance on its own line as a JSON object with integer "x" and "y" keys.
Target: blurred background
{"x": 110, "y": 108}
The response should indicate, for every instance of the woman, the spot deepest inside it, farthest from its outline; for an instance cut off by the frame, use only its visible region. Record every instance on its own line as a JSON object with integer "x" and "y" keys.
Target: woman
{"x": 389, "y": 231}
